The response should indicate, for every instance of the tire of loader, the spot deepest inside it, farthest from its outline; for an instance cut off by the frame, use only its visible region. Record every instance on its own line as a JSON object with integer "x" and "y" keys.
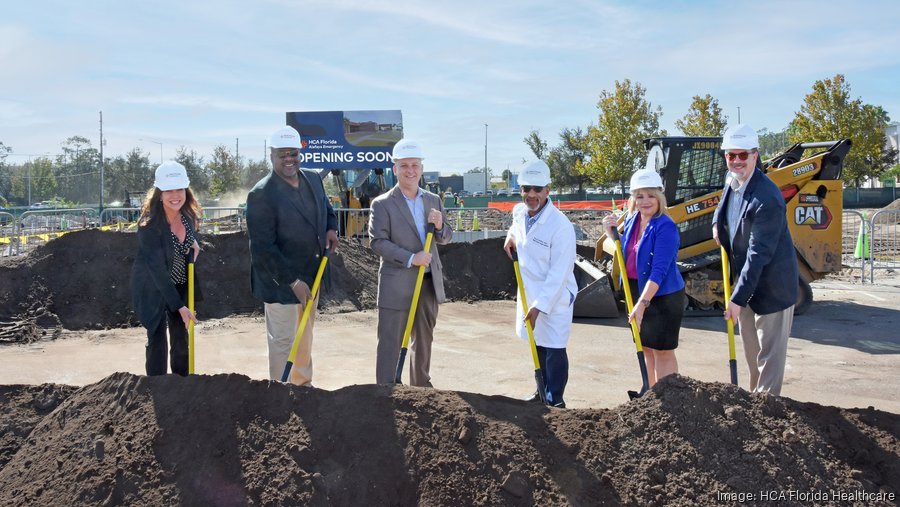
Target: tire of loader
{"x": 804, "y": 297}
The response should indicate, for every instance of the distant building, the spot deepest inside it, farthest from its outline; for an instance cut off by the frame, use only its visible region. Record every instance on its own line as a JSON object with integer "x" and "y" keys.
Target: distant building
{"x": 473, "y": 182}
{"x": 452, "y": 182}
{"x": 431, "y": 176}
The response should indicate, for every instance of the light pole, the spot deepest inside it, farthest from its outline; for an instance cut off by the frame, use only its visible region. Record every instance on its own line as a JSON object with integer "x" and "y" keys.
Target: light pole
{"x": 160, "y": 147}
{"x": 739, "y": 114}
{"x": 485, "y": 161}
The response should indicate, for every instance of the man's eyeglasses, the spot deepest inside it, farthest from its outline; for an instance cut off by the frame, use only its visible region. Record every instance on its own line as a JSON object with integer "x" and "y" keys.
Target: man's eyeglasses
{"x": 532, "y": 188}
{"x": 740, "y": 156}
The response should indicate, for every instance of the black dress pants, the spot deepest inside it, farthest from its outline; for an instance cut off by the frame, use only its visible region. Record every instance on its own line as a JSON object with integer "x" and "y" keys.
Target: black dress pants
{"x": 158, "y": 346}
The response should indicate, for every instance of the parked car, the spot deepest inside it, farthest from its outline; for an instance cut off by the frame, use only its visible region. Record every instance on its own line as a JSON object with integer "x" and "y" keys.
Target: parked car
{"x": 502, "y": 192}
{"x": 478, "y": 193}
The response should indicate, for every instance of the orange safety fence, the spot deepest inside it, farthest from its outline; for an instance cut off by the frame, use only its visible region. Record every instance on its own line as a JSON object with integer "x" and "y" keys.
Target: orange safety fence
{"x": 594, "y": 205}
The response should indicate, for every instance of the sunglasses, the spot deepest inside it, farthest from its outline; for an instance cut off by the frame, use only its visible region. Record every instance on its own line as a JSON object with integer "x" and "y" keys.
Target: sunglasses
{"x": 531, "y": 188}
{"x": 740, "y": 156}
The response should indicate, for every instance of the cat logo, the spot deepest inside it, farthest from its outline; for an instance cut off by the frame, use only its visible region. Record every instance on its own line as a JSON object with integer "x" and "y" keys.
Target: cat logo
{"x": 816, "y": 217}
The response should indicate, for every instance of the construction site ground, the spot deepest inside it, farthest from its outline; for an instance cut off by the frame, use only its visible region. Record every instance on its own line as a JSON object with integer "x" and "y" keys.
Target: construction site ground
{"x": 843, "y": 352}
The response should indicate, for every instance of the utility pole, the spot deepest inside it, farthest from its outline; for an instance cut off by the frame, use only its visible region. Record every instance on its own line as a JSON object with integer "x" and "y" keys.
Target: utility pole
{"x": 485, "y": 161}
{"x": 101, "y": 162}
{"x": 739, "y": 114}
{"x": 237, "y": 151}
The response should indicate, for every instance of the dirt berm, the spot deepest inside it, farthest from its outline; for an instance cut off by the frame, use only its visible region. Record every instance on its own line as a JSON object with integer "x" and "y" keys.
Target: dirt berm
{"x": 82, "y": 281}
{"x": 228, "y": 440}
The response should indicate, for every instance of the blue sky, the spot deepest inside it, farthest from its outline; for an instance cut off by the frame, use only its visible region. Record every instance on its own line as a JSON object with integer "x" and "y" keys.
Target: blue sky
{"x": 202, "y": 73}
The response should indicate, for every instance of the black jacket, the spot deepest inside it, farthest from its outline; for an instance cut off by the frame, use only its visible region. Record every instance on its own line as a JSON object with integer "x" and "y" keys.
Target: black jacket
{"x": 763, "y": 261}
{"x": 285, "y": 243}
{"x": 152, "y": 290}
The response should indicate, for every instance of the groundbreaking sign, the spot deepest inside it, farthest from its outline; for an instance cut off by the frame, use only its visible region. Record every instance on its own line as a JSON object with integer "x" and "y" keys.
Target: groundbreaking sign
{"x": 347, "y": 139}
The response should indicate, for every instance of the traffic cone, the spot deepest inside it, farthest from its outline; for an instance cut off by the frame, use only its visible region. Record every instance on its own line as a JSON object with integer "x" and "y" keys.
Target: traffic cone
{"x": 475, "y": 221}
{"x": 862, "y": 241}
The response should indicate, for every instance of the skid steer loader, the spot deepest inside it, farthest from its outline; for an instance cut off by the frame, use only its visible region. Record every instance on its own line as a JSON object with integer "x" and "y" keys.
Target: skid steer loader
{"x": 693, "y": 170}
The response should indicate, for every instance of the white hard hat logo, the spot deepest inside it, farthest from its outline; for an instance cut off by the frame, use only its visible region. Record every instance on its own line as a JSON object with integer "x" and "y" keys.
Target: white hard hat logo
{"x": 535, "y": 173}
{"x": 285, "y": 137}
{"x": 406, "y": 148}
{"x": 740, "y": 137}
{"x": 646, "y": 178}
{"x": 171, "y": 175}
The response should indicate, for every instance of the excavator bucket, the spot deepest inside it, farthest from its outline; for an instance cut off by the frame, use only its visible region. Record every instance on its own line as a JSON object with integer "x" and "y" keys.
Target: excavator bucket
{"x": 595, "y": 298}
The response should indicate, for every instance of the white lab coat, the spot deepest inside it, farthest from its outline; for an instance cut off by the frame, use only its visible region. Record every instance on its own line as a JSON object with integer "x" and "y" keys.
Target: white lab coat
{"x": 547, "y": 262}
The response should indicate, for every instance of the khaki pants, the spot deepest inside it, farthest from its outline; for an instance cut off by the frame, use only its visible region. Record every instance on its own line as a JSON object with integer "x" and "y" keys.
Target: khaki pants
{"x": 765, "y": 340}
{"x": 281, "y": 327}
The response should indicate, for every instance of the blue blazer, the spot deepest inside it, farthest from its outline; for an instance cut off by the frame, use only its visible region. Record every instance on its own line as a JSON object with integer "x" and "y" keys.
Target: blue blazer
{"x": 763, "y": 261}
{"x": 657, "y": 253}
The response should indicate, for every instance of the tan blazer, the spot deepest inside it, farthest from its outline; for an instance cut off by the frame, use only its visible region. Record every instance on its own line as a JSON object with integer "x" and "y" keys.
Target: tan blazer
{"x": 394, "y": 238}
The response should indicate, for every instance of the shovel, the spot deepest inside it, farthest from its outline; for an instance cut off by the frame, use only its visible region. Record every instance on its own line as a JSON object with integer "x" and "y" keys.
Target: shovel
{"x": 538, "y": 374}
{"x": 303, "y": 320}
{"x": 412, "y": 309}
{"x": 190, "y": 276}
{"x": 620, "y": 257}
{"x": 726, "y": 279}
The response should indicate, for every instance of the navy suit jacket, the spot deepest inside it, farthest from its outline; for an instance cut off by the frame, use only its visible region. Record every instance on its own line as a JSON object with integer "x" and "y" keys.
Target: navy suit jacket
{"x": 763, "y": 261}
{"x": 286, "y": 243}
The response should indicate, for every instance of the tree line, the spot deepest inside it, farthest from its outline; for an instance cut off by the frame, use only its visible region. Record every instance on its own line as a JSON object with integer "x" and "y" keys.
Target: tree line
{"x": 601, "y": 154}
{"x": 73, "y": 176}
{"x": 608, "y": 152}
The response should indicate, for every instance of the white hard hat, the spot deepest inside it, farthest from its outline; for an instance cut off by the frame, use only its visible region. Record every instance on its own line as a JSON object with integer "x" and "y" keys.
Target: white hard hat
{"x": 646, "y": 178}
{"x": 740, "y": 137}
{"x": 285, "y": 137}
{"x": 534, "y": 173}
{"x": 171, "y": 175}
{"x": 406, "y": 148}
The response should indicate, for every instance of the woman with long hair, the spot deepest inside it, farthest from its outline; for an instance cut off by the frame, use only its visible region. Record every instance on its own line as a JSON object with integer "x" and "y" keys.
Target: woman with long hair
{"x": 167, "y": 232}
{"x": 650, "y": 245}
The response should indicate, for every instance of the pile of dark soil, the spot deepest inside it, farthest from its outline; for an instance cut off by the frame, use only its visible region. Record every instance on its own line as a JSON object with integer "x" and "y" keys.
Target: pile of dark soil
{"x": 82, "y": 281}
{"x": 228, "y": 440}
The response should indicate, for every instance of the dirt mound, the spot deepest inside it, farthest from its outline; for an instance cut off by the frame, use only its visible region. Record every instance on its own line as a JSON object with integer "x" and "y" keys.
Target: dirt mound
{"x": 23, "y": 407}
{"x": 227, "y": 440}
{"x": 82, "y": 281}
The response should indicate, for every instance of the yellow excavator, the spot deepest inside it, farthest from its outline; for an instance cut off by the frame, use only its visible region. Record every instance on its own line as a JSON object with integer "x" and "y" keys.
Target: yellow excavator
{"x": 365, "y": 185}
{"x": 693, "y": 170}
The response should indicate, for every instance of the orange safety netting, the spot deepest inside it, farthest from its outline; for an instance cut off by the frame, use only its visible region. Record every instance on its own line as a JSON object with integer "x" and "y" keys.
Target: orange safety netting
{"x": 595, "y": 205}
